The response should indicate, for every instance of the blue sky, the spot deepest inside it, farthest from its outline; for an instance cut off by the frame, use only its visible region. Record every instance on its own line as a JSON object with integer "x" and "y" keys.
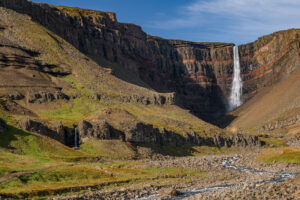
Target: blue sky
{"x": 236, "y": 21}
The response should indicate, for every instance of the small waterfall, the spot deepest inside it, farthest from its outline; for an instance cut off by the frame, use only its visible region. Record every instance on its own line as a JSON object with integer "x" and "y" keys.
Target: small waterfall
{"x": 76, "y": 138}
{"x": 237, "y": 84}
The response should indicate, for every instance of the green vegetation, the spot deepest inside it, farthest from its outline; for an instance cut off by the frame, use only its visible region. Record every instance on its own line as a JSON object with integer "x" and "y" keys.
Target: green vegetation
{"x": 20, "y": 142}
{"x": 47, "y": 168}
{"x": 273, "y": 142}
{"x": 285, "y": 155}
{"x": 72, "y": 112}
{"x": 169, "y": 117}
{"x": 21, "y": 150}
{"x": 53, "y": 179}
{"x": 115, "y": 149}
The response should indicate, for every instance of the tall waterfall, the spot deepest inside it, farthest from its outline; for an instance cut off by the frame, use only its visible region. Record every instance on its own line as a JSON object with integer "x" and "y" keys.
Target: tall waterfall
{"x": 237, "y": 84}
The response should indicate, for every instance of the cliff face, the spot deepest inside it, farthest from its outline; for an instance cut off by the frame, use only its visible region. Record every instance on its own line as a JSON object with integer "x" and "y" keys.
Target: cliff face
{"x": 199, "y": 73}
{"x": 269, "y": 59}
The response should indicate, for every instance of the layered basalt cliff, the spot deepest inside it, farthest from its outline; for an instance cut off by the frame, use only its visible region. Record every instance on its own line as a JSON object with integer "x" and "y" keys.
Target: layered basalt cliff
{"x": 199, "y": 73}
{"x": 136, "y": 133}
{"x": 269, "y": 59}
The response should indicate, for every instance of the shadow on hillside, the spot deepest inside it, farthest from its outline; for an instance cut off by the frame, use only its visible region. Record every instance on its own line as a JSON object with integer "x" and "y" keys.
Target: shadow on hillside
{"x": 9, "y": 136}
{"x": 224, "y": 121}
{"x": 168, "y": 150}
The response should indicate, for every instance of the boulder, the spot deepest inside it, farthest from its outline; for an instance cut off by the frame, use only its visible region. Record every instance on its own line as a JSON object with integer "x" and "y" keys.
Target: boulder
{"x": 169, "y": 192}
{"x": 3, "y": 126}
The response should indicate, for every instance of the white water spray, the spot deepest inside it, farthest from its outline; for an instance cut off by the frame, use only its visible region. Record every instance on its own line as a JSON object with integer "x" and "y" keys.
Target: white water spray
{"x": 237, "y": 84}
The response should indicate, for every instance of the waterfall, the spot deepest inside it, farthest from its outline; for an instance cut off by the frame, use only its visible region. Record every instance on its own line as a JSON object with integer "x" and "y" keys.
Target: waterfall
{"x": 75, "y": 138}
{"x": 237, "y": 85}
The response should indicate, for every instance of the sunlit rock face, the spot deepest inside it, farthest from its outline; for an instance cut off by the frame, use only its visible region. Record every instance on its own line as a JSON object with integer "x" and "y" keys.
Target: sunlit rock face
{"x": 200, "y": 74}
{"x": 268, "y": 60}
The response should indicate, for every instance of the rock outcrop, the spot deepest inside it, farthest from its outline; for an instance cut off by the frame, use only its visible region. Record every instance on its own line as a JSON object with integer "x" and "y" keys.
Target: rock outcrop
{"x": 281, "y": 123}
{"x": 15, "y": 95}
{"x": 3, "y": 126}
{"x": 145, "y": 134}
{"x": 135, "y": 132}
{"x": 198, "y": 73}
{"x": 99, "y": 129}
{"x": 168, "y": 99}
{"x": 57, "y": 132}
{"x": 41, "y": 97}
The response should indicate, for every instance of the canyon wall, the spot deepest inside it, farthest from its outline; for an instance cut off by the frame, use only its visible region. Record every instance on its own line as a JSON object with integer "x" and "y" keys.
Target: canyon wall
{"x": 199, "y": 73}
{"x": 269, "y": 59}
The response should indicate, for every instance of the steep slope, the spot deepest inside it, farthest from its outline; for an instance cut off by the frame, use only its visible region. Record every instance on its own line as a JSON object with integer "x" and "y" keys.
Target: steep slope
{"x": 273, "y": 83}
{"x": 270, "y": 82}
{"x": 269, "y": 60}
{"x": 275, "y": 103}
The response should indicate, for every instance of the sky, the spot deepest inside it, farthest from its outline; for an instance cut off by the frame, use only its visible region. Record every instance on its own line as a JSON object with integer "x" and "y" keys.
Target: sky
{"x": 232, "y": 21}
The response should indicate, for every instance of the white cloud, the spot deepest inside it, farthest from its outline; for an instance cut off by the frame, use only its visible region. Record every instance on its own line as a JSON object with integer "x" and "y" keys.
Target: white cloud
{"x": 235, "y": 17}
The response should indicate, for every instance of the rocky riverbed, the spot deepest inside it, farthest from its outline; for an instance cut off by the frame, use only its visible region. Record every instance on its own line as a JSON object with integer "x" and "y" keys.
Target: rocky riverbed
{"x": 225, "y": 180}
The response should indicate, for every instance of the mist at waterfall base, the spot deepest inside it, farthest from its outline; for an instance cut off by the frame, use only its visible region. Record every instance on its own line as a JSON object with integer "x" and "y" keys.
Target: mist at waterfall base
{"x": 235, "y": 99}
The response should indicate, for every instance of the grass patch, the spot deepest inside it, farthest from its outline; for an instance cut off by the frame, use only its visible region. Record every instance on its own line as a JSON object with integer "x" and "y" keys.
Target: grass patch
{"x": 284, "y": 155}
{"x": 74, "y": 111}
{"x": 114, "y": 149}
{"x": 170, "y": 117}
{"x": 273, "y": 142}
{"x": 54, "y": 179}
{"x": 24, "y": 143}
{"x": 77, "y": 178}
{"x": 21, "y": 150}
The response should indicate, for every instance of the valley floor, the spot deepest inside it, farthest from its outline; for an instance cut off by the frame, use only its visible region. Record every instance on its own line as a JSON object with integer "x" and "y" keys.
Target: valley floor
{"x": 244, "y": 184}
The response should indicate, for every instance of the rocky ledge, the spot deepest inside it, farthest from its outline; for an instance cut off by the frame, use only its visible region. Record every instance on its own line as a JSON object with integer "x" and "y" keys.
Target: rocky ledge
{"x": 141, "y": 133}
{"x": 137, "y": 132}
